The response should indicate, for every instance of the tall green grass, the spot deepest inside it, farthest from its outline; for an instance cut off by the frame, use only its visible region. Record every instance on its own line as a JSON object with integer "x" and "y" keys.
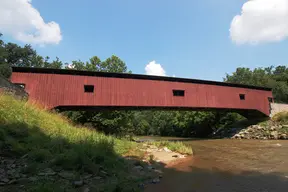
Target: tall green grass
{"x": 36, "y": 129}
{"x": 50, "y": 140}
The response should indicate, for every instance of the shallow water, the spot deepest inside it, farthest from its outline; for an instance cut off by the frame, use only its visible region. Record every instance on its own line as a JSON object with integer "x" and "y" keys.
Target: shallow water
{"x": 229, "y": 165}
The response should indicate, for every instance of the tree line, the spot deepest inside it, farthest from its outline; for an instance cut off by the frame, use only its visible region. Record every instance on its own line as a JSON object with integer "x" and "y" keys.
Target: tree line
{"x": 145, "y": 122}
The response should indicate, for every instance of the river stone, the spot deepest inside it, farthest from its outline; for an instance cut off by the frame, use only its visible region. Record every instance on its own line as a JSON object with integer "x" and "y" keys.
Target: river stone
{"x": 23, "y": 175}
{"x": 5, "y": 180}
{"x": 156, "y": 180}
{"x": 88, "y": 176}
{"x": 33, "y": 179}
{"x": 12, "y": 181}
{"x": 272, "y": 128}
{"x": 274, "y": 135}
{"x": 176, "y": 156}
{"x": 66, "y": 175}
{"x": 250, "y": 130}
{"x": 150, "y": 167}
{"x": 47, "y": 172}
{"x": 259, "y": 127}
{"x": 11, "y": 172}
{"x": 153, "y": 147}
{"x": 23, "y": 180}
{"x": 86, "y": 190}
{"x": 158, "y": 171}
{"x": 103, "y": 172}
{"x": 24, "y": 156}
{"x": 17, "y": 175}
{"x": 151, "y": 150}
{"x": 78, "y": 183}
{"x": 141, "y": 185}
{"x": 237, "y": 136}
{"x": 138, "y": 167}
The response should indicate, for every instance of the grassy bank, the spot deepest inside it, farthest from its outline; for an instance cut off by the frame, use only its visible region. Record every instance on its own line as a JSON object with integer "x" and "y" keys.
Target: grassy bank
{"x": 44, "y": 142}
{"x": 48, "y": 140}
{"x": 173, "y": 146}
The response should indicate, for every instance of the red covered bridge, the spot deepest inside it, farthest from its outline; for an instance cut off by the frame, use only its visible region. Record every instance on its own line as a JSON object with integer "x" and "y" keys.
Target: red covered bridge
{"x": 85, "y": 90}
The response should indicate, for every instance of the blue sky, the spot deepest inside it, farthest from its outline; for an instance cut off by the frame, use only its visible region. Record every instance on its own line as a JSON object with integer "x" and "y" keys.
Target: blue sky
{"x": 188, "y": 38}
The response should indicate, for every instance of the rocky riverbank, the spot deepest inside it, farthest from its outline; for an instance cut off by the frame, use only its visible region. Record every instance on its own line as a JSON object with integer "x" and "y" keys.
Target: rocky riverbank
{"x": 265, "y": 130}
{"x": 19, "y": 174}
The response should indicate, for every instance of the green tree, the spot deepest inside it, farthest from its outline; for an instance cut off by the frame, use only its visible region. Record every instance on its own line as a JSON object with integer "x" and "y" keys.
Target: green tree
{"x": 275, "y": 78}
{"x": 56, "y": 64}
{"x": 19, "y": 56}
{"x": 5, "y": 70}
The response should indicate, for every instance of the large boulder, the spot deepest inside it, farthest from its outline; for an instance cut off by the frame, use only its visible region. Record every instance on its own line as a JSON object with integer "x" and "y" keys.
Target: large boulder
{"x": 8, "y": 87}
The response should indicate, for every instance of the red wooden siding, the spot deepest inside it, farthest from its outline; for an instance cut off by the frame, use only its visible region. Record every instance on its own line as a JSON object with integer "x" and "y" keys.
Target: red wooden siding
{"x": 55, "y": 90}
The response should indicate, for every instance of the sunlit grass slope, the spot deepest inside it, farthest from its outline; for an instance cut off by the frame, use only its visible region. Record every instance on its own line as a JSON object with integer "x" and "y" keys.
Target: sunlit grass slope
{"x": 49, "y": 140}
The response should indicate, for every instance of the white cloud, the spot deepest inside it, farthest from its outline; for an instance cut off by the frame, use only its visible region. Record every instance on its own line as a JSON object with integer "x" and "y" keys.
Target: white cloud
{"x": 153, "y": 68}
{"x": 24, "y": 23}
{"x": 260, "y": 21}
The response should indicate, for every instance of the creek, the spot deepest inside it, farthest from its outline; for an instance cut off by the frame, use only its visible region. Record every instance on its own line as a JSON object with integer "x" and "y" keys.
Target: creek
{"x": 228, "y": 165}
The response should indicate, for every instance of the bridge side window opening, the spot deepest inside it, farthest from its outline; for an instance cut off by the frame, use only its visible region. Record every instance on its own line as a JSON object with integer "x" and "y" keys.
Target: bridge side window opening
{"x": 179, "y": 93}
{"x": 242, "y": 96}
{"x": 88, "y": 88}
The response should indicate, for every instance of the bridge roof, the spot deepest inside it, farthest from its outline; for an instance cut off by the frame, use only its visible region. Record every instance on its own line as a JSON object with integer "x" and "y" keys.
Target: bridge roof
{"x": 131, "y": 76}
